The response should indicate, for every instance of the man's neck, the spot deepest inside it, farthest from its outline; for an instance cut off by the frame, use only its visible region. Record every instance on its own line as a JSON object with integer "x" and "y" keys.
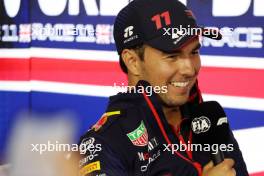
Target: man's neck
{"x": 173, "y": 115}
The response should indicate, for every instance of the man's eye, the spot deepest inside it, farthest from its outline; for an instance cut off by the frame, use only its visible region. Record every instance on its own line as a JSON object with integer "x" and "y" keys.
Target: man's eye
{"x": 172, "y": 56}
{"x": 195, "y": 52}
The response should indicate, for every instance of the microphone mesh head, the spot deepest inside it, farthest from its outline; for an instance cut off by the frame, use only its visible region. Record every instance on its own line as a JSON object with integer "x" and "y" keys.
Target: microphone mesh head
{"x": 209, "y": 124}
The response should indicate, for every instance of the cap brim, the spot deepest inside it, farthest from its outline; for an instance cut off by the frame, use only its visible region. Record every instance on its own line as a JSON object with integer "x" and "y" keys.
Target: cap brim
{"x": 211, "y": 33}
{"x": 168, "y": 44}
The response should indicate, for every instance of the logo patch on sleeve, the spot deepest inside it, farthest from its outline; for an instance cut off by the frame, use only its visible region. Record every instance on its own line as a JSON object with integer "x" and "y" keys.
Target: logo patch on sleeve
{"x": 139, "y": 136}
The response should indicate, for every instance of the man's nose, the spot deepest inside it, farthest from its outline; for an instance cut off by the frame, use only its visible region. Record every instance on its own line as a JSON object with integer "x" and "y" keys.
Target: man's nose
{"x": 186, "y": 67}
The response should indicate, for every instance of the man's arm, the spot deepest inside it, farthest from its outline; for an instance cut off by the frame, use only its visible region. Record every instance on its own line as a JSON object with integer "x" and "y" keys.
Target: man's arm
{"x": 98, "y": 159}
{"x": 240, "y": 165}
{"x": 233, "y": 165}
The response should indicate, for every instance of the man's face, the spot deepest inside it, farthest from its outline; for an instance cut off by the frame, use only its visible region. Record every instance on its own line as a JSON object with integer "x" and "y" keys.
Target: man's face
{"x": 178, "y": 71}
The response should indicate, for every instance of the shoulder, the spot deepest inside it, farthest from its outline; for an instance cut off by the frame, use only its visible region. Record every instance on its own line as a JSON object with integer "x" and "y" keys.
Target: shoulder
{"x": 109, "y": 129}
{"x": 116, "y": 123}
{"x": 107, "y": 125}
{"x": 113, "y": 130}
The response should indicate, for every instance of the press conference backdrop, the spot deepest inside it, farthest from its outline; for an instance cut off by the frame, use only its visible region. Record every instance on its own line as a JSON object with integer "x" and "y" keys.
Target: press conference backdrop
{"x": 59, "y": 56}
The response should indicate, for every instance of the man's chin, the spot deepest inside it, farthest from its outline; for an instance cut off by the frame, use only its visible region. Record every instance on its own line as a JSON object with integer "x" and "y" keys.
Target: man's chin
{"x": 175, "y": 101}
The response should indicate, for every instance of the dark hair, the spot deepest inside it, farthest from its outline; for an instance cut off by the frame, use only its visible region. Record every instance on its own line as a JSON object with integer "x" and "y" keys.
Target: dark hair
{"x": 139, "y": 49}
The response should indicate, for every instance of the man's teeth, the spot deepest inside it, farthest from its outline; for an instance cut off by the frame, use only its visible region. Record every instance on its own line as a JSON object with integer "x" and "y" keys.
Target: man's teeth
{"x": 180, "y": 84}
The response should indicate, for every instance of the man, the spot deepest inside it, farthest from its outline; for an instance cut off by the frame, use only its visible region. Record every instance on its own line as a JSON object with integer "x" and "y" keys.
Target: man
{"x": 129, "y": 138}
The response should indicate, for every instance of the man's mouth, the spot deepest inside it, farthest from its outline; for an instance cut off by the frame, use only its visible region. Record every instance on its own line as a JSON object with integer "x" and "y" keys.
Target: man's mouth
{"x": 180, "y": 84}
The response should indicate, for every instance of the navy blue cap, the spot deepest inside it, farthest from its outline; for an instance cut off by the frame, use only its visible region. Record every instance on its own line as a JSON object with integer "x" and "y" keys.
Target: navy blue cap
{"x": 158, "y": 23}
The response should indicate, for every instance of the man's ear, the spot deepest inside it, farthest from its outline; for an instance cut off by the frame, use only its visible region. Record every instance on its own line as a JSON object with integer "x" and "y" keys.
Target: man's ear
{"x": 131, "y": 60}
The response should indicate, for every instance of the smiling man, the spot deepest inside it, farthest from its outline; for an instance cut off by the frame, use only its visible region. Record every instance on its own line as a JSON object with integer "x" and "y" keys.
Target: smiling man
{"x": 133, "y": 137}
{"x": 177, "y": 71}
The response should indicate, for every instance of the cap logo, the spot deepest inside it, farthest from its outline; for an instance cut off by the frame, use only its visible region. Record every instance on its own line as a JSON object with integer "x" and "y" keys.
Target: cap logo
{"x": 177, "y": 34}
{"x": 200, "y": 124}
{"x": 128, "y": 31}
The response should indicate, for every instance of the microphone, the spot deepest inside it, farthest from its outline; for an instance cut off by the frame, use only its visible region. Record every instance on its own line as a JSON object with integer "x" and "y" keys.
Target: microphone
{"x": 210, "y": 126}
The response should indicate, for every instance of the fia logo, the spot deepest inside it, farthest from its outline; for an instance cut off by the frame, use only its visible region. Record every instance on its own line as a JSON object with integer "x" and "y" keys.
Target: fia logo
{"x": 200, "y": 125}
{"x": 128, "y": 31}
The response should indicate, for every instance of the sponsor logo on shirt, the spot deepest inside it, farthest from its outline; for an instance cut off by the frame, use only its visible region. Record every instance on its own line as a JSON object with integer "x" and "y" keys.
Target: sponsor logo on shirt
{"x": 104, "y": 119}
{"x": 139, "y": 137}
{"x": 94, "y": 166}
{"x": 89, "y": 147}
{"x": 200, "y": 124}
{"x": 149, "y": 158}
{"x": 152, "y": 143}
